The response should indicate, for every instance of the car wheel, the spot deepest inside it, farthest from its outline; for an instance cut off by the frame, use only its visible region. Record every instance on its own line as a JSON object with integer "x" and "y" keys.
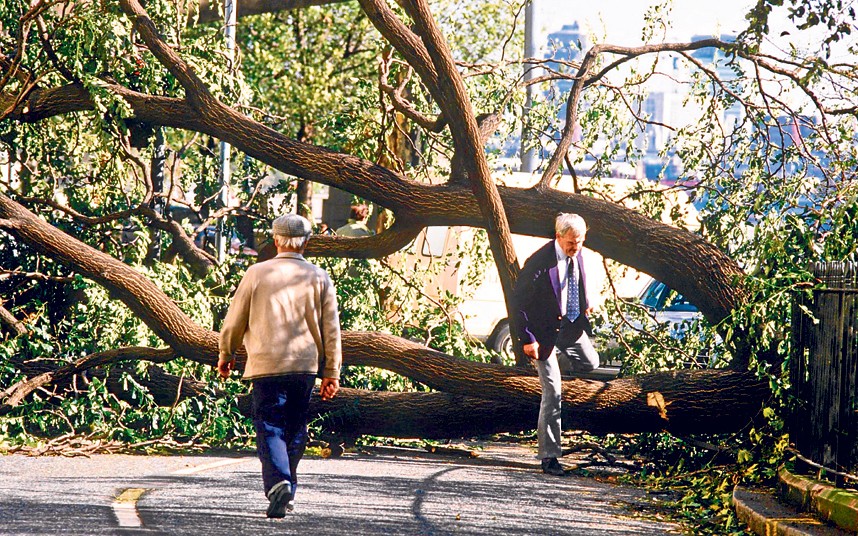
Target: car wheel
{"x": 501, "y": 342}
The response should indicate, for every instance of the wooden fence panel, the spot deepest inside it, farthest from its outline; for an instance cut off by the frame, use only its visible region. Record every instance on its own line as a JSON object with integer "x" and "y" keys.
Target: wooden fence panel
{"x": 824, "y": 368}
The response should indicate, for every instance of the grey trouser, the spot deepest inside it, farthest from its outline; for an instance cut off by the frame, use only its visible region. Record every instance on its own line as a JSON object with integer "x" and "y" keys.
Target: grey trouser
{"x": 581, "y": 357}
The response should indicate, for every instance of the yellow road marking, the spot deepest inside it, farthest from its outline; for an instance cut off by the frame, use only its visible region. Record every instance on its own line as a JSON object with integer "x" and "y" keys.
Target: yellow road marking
{"x": 125, "y": 507}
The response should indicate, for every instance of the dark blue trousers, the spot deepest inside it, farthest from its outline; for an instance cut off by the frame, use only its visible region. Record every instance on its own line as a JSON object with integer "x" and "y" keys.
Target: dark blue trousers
{"x": 280, "y": 410}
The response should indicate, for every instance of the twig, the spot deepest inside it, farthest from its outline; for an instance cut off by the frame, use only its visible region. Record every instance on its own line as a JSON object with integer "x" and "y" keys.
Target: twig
{"x": 812, "y": 463}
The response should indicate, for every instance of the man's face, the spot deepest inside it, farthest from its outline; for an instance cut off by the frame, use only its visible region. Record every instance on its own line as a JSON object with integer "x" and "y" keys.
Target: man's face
{"x": 571, "y": 242}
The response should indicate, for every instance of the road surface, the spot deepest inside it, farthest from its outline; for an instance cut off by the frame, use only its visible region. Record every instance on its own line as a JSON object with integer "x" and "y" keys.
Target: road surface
{"x": 388, "y": 493}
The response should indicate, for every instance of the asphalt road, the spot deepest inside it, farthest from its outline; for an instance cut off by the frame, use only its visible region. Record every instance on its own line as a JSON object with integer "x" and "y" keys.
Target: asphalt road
{"x": 357, "y": 494}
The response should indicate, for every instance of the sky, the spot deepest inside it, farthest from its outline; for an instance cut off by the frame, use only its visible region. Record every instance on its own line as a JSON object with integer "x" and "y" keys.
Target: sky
{"x": 620, "y": 21}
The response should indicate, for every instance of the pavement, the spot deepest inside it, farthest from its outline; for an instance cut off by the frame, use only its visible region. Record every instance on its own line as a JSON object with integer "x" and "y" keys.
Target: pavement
{"x": 386, "y": 491}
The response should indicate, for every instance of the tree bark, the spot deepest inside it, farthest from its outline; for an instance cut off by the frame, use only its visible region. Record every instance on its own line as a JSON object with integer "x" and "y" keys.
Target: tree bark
{"x": 12, "y": 324}
{"x": 693, "y": 408}
{"x": 679, "y": 402}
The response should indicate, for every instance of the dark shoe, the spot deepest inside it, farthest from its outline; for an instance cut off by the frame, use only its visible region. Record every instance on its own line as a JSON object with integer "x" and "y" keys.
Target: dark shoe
{"x": 279, "y": 500}
{"x": 551, "y": 466}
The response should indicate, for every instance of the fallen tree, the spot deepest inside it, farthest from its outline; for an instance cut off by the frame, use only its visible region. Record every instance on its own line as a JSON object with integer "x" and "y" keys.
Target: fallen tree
{"x": 682, "y": 402}
{"x": 472, "y": 397}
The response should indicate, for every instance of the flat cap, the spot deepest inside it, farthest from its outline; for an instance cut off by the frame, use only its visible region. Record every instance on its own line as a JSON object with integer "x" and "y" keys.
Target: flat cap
{"x": 291, "y": 225}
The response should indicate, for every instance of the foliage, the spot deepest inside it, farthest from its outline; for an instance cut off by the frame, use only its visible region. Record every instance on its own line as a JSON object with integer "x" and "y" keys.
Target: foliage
{"x": 835, "y": 17}
{"x": 697, "y": 474}
{"x": 114, "y": 403}
{"x": 298, "y": 63}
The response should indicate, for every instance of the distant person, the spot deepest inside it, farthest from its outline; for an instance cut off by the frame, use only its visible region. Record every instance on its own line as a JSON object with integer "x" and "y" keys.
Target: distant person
{"x": 285, "y": 313}
{"x": 356, "y": 226}
{"x": 324, "y": 229}
{"x": 552, "y": 308}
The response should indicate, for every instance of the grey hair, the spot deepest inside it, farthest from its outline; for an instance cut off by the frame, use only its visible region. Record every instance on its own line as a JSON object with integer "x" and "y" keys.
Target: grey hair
{"x": 567, "y": 221}
{"x": 292, "y": 242}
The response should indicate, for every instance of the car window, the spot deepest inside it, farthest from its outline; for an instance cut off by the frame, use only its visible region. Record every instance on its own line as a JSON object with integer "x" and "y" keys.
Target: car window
{"x": 659, "y": 297}
{"x": 433, "y": 243}
{"x": 677, "y": 302}
{"x": 653, "y": 295}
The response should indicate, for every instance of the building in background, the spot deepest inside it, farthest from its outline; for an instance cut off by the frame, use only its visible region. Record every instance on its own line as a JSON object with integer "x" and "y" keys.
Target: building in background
{"x": 565, "y": 46}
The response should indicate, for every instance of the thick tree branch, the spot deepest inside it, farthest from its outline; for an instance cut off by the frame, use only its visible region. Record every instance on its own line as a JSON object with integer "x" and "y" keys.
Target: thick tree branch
{"x": 404, "y": 40}
{"x": 388, "y": 242}
{"x": 680, "y": 402}
{"x": 400, "y": 104}
{"x": 199, "y": 261}
{"x": 196, "y": 91}
{"x": 571, "y": 121}
{"x": 11, "y": 323}
{"x": 13, "y": 396}
{"x": 452, "y": 96}
{"x": 40, "y": 103}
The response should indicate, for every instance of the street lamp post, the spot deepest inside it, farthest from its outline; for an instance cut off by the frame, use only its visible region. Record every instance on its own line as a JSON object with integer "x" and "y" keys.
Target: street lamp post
{"x": 229, "y": 9}
{"x": 531, "y": 49}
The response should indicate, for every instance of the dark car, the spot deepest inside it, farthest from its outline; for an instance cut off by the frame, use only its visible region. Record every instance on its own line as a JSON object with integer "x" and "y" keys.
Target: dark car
{"x": 664, "y": 307}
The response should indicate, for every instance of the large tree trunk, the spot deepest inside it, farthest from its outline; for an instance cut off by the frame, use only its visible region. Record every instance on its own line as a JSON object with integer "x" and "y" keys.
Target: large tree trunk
{"x": 678, "y": 402}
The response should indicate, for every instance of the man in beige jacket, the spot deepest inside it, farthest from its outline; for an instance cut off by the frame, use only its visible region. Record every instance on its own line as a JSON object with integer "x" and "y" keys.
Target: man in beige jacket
{"x": 285, "y": 313}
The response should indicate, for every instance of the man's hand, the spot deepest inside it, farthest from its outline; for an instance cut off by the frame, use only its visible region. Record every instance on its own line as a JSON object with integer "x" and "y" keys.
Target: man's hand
{"x": 329, "y": 388}
{"x": 224, "y": 366}
{"x": 531, "y": 350}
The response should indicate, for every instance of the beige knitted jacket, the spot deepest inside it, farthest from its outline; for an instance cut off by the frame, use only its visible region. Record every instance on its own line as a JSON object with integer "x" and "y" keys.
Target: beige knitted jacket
{"x": 285, "y": 313}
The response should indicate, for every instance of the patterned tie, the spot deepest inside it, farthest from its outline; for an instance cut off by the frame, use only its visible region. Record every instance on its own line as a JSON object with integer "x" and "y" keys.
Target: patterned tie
{"x": 573, "y": 306}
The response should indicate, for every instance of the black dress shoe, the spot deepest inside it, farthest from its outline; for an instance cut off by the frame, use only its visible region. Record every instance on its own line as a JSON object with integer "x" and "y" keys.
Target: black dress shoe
{"x": 551, "y": 466}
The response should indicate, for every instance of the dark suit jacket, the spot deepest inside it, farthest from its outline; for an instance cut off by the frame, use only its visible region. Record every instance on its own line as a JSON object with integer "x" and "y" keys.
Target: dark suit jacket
{"x": 537, "y": 300}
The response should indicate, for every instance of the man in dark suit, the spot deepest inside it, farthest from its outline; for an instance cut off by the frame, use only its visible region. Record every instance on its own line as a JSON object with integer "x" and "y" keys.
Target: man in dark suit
{"x": 551, "y": 299}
